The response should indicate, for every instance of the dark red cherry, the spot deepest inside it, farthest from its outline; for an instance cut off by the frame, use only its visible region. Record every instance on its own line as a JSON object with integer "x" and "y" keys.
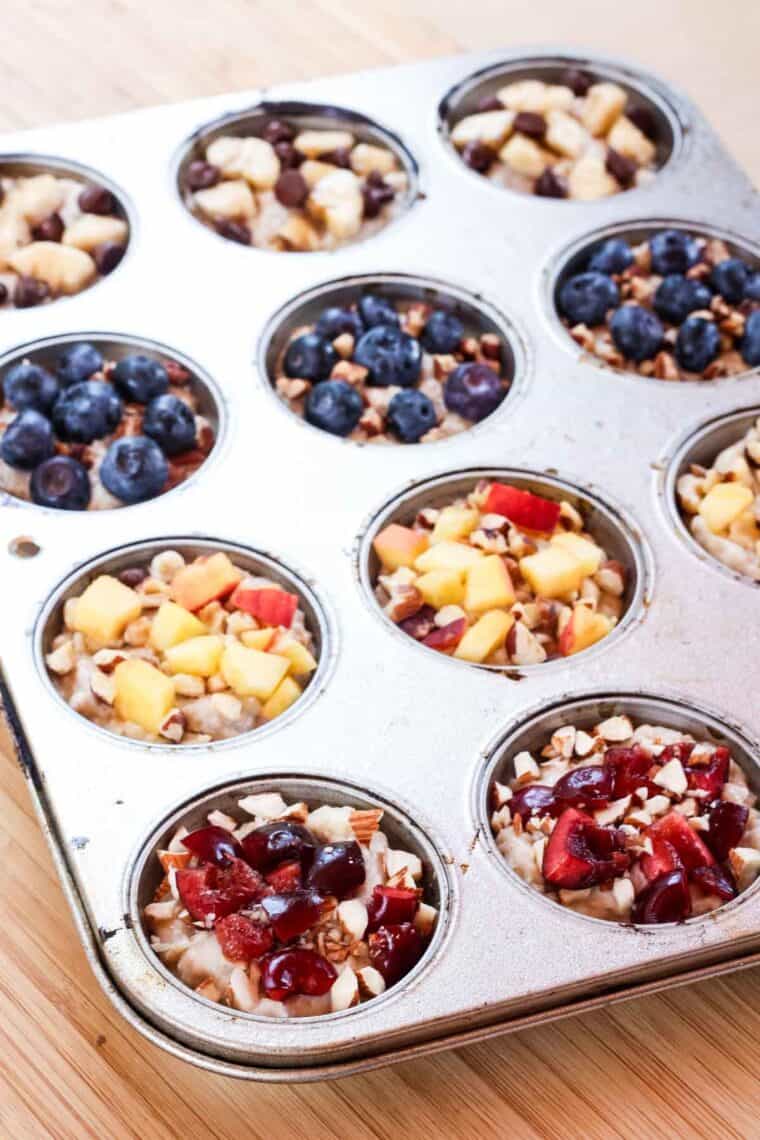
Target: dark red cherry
{"x": 630, "y": 770}
{"x": 664, "y": 858}
{"x": 536, "y": 799}
{"x": 394, "y": 950}
{"x": 667, "y": 899}
{"x": 726, "y": 827}
{"x": 710, "y": 777}
{"x": 338, "y": 869}
{"x": 580, "y": 853}
{"x": 274, "y": 843}
{"x": 682, "y": 750}
{"x": 674, "y": 828}
{"x": 287, "y": 973}
{"x": 285, "y": 878}
{"x": 715, "y": 881}
{"x": 293, "y": 914}
{"x": 391, "y": 905}
{"x": 217, "y": 891}
{"x": 242, "y": 939}
{"x": 213, "y": 845}
{"x": 591, "y": 787}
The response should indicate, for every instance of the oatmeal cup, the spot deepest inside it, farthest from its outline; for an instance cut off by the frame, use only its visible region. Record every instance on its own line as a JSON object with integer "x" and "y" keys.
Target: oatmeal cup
{"x": 182, "y": 641}
{"x": 503, "y": 568}
{"x": 644, "y": 815}
{"x": 294, "y": 177}
{"x": 62, "y": 228}
{"x": 665, "y": 301}
{"x": 101, "y": 421}
{"x": 288, "y": 906}
{"x": 390, "y": 359}
{"x": 560, "y": 129}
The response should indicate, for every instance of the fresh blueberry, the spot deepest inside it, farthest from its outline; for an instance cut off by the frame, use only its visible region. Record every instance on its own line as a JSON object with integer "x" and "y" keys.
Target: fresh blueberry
{"x": 139, "y": 378}
{"x": 375, "y": 310}
{"x": 636, "y": 332}
{"x": 677, "y": 296}
{"x": 673, "y": 251}
{"x": 612, "y": 256}
{"x": 586, "y": 298}
{"x": 410, "y": 415}
{"x": 334, "y": 406}
{"x": 697, "y": 343}
{"x": 335, "y": 321}
{"x": 729, "y": 278}
{"x": 134, "y": 469}
{"x": 473, "y": 391}
{"x": 442, "y": 332}
{"x": 86, "y": 411}
{"x": 752, "y": 288}
{"x": 28, "y": 440}
{"x": 78, "y": 362}
{"x": 390, "y": 355}
{"x": 28, "y": 385}
{"x": 750, "y": 343}
{"x": 169, "y": 421}
{"x": 60, "y": 482}
{"x": 310, "y": 357}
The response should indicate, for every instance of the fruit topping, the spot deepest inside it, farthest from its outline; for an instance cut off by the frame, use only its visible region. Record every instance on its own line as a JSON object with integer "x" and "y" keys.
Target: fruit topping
{"x": 213, "y": 845}
{"x": 391, "y": 906}
{"x": 410, "y": 415}
{"x": 294, "y": 913}
{"x": 391, "y": 357}
{"x": 60, "y": 482}
{"x": 288, "y": 973}
{"x": 140, "y": 378}
{"x": 28, "y": 385}
{"x": 580, "y": 853}
{"x": 611, "y": 256}
{"x": 637, "y": 332}
{"x": 209, "y": 891}
{"x": 715, "y": 881}
{"x": 697, "y": 344}
{"x": 630, "y": 768}
{"x": 586, "y": 298}
{"x": 283, "y": 841}
{"x": 374, "y": 311}
{"x": 310, "y": 357}
{"x": 335, "y": 321}
{"x": 473, "y": 391}
{"x": 170, "y": 422}
{"x": 442, "y": 332}
{"x": 334, "y": 406}
{"x": 523, "y": 508}
{"x": 710, "y": 777}
{"x": 271, "y": 607}
{"x": 242, "y": 939}
{"x": 27, "y": 441}
{"x": 337, "y": 869}
{"x": 394, "y": 950}
{"x": 78, "y": 362}
{"x": 590, "y": 787}
{"x": 134, "y": 469}
{"x": 446, "y": 637}
{"x": 535, "y": 800}
{"x": 667, "y": 899}
{"x": 726, "y": 824}
{"x": 86, "y": 411}
{"x": 673, "y": 251}
{"x": 674, "y": 828}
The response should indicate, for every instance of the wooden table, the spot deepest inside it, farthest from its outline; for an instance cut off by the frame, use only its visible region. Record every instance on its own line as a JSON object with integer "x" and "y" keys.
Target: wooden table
{"x": 682, "y": 1064}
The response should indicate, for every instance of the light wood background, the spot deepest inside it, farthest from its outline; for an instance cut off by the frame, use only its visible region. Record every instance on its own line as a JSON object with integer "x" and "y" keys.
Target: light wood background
{"x": 681, "y": 1065}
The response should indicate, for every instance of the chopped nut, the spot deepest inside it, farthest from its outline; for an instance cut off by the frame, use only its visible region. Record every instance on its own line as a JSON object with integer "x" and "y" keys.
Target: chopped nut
{"x": 425, "y": 919}
{"x": 186, "y": 685}
{"x": 371, "y": 982}
{"x": 350, "y": 372}
{"x": 268, "y": 805}
{"x": 173, "y": 726}
{"x": 62, "y": 660}
{"x": 364, "y": 823}
{"x": 672, "y": 777}
{"x": 103, "y": 686}
{"x": 344, "y": 992}
{"x": 615, "y": 729}
{"x": 353, "y": 917}
{"x": 397, "y": 861}
{"x": 526, "y": 768}
{"x": 165, "y": 565}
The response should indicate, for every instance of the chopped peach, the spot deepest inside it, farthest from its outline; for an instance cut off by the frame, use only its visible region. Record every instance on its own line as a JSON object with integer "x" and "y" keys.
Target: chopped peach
{"x": 287, "y": 692}
{"x": 397, "y": 546}
{"x": 105, "y": 609}
{"x": 488, "y": 585}
{"x": 583, "y": 629}
{"x": 144, "y": 694}
{"x": 485, "y": 637}
{"x": 448, "y": 556}
{"x": 204, "y": 581}
{"x": 455, "y": 522}
{"x": 301, "y": 661}
{"x": 552, "y": 572}
{"x": 724, "y": 503}
{"x": 251, "y": 673}
{"x": 258, "y": 638}
{"x": 173, "y": 624}
{"x": 588, "y": 553}
{"x": 441, "y": 588}
{"x": 198, "y": 656}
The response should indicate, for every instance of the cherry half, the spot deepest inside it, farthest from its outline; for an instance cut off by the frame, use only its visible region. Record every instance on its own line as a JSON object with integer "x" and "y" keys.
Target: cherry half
{"x": 278, "y": 842}
{"x": 674, "y": 828}
{"x": 580, "y": 853}
{"x": 218, "y": 891}
{"x": 715, "y": 881}
{"x": 391, "y": 905}
{"x": 394, "y": 950}
{"x": 536, "y": 799}
{"x": 337, "y": 869}
{"x": 242, "y": 939}
{"x": 667, "y": 899}
{"x": 292, "y": 914}
{"x": 630, "y": 770}
{"x": 213, "y": 845}
{"x": 710, "y": 777}
{"x": 726, "y": 824}
{"x": 287, "y": 973}
{"x": 591, "y": 787}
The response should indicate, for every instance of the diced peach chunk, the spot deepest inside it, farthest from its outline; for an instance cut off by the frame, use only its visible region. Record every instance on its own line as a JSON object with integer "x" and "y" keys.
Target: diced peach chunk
{"x": 724, "y": 503}
{"x": 488, "y": 585}
{"x": 583, "y": 629}
{"x": 398, "y": 546}
{"x": 301, "y": 660}
{"x": 588, "y": 553}
{"x": 485, "y": 637}
{"x": 204, "y": 580}
{"x": 173, "y": 624}
{"x": 198, "y": 656}
{"x": 251, "y": 673}
{"x": 144, "y": 694}
{"x": 552, "y": 572}
{"x": 258, "y": 638}
{"x": 105, "y": 609}
{"x": 287, "y": 693}
{"x": 441, "y": 588}
{"x": 448, "y": 556}
{"x": 455, "y": 522}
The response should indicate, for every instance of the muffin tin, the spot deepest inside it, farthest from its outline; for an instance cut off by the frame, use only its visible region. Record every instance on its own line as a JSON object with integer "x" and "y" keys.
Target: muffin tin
{"x": 382, "y": 722}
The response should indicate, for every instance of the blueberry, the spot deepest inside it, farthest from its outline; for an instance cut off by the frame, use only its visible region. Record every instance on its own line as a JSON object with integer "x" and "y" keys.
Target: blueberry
{"x": 335, "y": 321}
{"x": 729, "y": 278}
{"x": 473, "y": 391}
{"x": 134, "y": 469}
{"x": 636, "y": 332}
{"x": 750, "y": 343}
{"x": 139, "y": 378}
{"x": 697, "y": 343}
{"x": 28, "y": 385}
{"x": 612, "y": 256}
{"x": 586, "y": 298}
{"x": 28, "y": 440}
{"x": 375, "y": 311}
{"x": 86, "y": 411}
{"x": 678, "y": 296}
{"x": 410, "y": 415}
{"x": 61, "y": 482}
{"x": 169, "y": 421}
{"x": 334, "y": 406}
{"x": 442, "y": 332}
{"x": 673, "y": 251}
{"x": 752, "y": 288}
{"x": 392, "y": 356}
{"x": 310, "y": 357}
{"x": 78, "y": 362}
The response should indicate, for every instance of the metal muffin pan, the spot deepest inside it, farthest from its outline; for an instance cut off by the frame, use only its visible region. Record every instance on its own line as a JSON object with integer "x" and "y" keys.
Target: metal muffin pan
{"x": 396, "y": 723}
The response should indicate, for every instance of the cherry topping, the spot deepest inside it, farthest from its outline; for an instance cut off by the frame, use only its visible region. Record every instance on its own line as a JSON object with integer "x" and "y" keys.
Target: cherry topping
{"x": 287, "y": 973}
{"x": 242, "y": 939}
{"x": 211, "y": 890}
{"x": 630, "y": 770}
{"x": 293, "y": 914}
{"x": 667, "y": 899}
{"x": 286, "y": 877}
{"x": 273, "y": 843}
{"x": 338, "y": 869}
{"x": 674, "y": 828}
{"x": 419, "y": 625}
{"x": 710, "y": 777}
{"x": 726, "y": 827}
{"x": 393, "y": 950}
{"x": 715, "y": 881}
{"x": 447, "y": 636}
{"x": 536, "y": 799}
{"x": 213, "y": 845}
{"x": 580, "y": 853}
{"x": 391, "y": 905}
{"x": 591, "y": 786}
{"x": 664, "y": 858}
{"x": 682, "y": 750}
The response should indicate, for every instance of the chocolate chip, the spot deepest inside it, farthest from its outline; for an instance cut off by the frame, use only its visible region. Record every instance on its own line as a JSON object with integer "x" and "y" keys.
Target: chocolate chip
{"x": 29, "y": 292}
{"x": 479, "y": 156}
{"x": 340, "y": 157}
{"x": 291, "y": 189}
{"x": 490, "y": 103}
{"x": 645, "y": 119}
{"x": 201, "y": 175}
{"x": 289, "y": 157}
{"x": 620, "y": 167}
{"x": 132, "y": 577}
{"x": 49, "y": 229}
{"x": 96, "y": 200}
{"x": 376, "y": 194}
{"x": 3, "y": 293}
{"x": 550, "y": 185}
{"x": 107, "y": 256}
{"x": 577, "y": 80}
{"x": 278, "y": 131}
{"x": 235, "y": 231}
{"x": 531, "y": 124}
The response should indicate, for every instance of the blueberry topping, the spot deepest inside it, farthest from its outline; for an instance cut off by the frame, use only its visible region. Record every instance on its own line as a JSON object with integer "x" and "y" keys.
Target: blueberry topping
{"x": 86, "y": 411}
{"x": 28, "y": 385}
{"x": 750, "y": 343}
{"x": 678, "y": 296}
{"x": 139, "y": 378}
{"x": 310, "y": 357}
{"x": 335, "y": 321}
{"x": 636, "y": 332}
{"x": 375, "y": 310}
{"x": 697, "y": 344}
{"x": 78, "y": 362}
{"x": 442, "y": 332}
{"x": 586, "y": 298}
{"x": 62, "y": 483}
{"x": 334, "y": 406}
{"x": 134, "y": 469}
{"x": 410, "y": 415}
{"x": 729, "y": 278}
{"x": 612, "y": 256}
{"x": 170, "y": 422}
{"x": 752, "y": 288}
{"x": 28, "y": 440}
{"x": 390, "y": 355}
{"x": 673, "y": 251}
{"x": 473, "y": 391}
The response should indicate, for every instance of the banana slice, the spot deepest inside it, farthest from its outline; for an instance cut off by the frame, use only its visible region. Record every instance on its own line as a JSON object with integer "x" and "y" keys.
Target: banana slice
{"x": 62, "y": 267}
{"x": 490, "y": 127}
{"x": 91, "y": 230}
{"x": 37, "y": 198}
{"x": 589, "y": 179}
{"x": 337, "y": 200}
{"x": 314, "y": 171}
{"x": 14, "y": 232}
{"x": 603, "y": 105}
{"x": 315, "y": 143}
{"x": 298, "y": 234}
{"x": 626, "y": 138}
{"x": 366, "y": 158}
{"x": 233, "y": 199}
{"x": 253, "y": 159}
{"x": 565, "y": 134}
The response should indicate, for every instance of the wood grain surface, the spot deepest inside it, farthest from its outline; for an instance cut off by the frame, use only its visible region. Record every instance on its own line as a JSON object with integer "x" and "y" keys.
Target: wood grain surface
{"x": 679, "y": 1065}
